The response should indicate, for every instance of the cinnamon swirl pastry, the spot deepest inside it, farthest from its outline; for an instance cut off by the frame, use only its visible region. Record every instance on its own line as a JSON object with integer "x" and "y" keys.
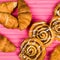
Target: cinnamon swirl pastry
{"x": 6, "y": 45}
{"x": 32, "y": 49}
{"x": 8, "y": 20}
{"x": 24, "y": 15}
{"x": 55, "y": 26}
{"x": 57, "y": 10}
{"x": 7, "y": 7}
{"x": 43, "y": 32}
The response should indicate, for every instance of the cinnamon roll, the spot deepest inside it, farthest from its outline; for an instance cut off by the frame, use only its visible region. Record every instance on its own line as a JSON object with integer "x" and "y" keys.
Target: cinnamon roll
{"x": 6, "y": 45}
{"x": 57, "y": 10}
{"x": 24, "y": 15}
{"x": 32, "y": 49}
{"x": 8, "y": 20}
{"x": 43, "y": 32}
{"x": 7, "y": 7}
{"x": 55, "y": 26}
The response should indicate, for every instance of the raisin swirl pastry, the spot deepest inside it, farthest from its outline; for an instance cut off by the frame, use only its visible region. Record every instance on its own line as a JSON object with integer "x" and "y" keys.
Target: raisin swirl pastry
{"x": 55, "y": 26}
{"x": 24, "y": 15}
{"x": 43, "y": 32}
{"x": 6, "y": 45}
{"x": 8, "y": 20}
{"x": 32, "y": 49}
{"x": 57, "y": 10}
{"x": 7, "y": 7}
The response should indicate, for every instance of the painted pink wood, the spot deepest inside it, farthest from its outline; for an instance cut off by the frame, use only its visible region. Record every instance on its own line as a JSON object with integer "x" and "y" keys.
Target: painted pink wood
{"x": 41, "y": 10}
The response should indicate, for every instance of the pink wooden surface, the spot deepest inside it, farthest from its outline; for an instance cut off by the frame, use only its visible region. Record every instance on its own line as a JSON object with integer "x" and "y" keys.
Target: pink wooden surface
{"x": 41, "y": 10}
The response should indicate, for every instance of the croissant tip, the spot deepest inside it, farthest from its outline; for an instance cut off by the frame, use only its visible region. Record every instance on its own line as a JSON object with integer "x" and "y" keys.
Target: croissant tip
{"x": 15, "y": 4}
{"x": 21, "y": 28}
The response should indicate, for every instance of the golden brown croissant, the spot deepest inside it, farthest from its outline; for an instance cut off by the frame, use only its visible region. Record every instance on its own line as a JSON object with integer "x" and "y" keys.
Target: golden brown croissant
{"x": 7, "y": 7}
{"x": 6, "y": 45}
{"x": 24, "y": 15}
{"x": 8, "y": 20}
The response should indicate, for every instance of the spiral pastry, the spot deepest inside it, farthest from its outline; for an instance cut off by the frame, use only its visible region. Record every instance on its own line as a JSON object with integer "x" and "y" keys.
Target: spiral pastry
{"x": 57, "y": 10}
{"x": 41, "y": 31}
{"x": 24, "y": 15}
{"x": 32, "y": 49}
{"x": 55, "y": 26}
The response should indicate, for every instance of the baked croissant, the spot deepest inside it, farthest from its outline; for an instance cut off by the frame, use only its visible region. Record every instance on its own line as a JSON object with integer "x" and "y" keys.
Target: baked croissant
{"x": 8, "y": 20}
{"x": 24, "y": 15}
{"x": 6, "y": 45}
{"x": 7, "y": 7}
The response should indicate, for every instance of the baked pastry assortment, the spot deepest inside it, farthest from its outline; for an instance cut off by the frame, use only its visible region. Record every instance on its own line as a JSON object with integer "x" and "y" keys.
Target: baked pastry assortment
{"x": 24, "y": 15}
{"x": 6, "y": 45}
{"x": 43, "y": 32}
{"x": 55, "y": 55}
{"x": 32, "y": 49}
{"x": 41, "y": 35}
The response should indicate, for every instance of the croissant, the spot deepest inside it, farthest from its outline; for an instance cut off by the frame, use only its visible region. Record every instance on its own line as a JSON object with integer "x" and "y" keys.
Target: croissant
{"x": 24, "y": 15}
{"x": 8, "y": 20}
{"x": 6, "y": 45}
{"x": 7, "y": 7}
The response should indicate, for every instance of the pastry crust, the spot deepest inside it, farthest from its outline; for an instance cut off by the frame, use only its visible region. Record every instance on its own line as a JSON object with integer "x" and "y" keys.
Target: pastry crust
{"x": 57, "y": 10}
{"x": 7, "y": 7}
{"x": 55, "y": 26}
{"x": 56, "y": 53}
{"x": 8, "y": 20}
{"x": 32, "y": 49}
{"x": 43, "y": 32}
{"x": 6, "y": 45}
{"x": 24, "y": 15}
